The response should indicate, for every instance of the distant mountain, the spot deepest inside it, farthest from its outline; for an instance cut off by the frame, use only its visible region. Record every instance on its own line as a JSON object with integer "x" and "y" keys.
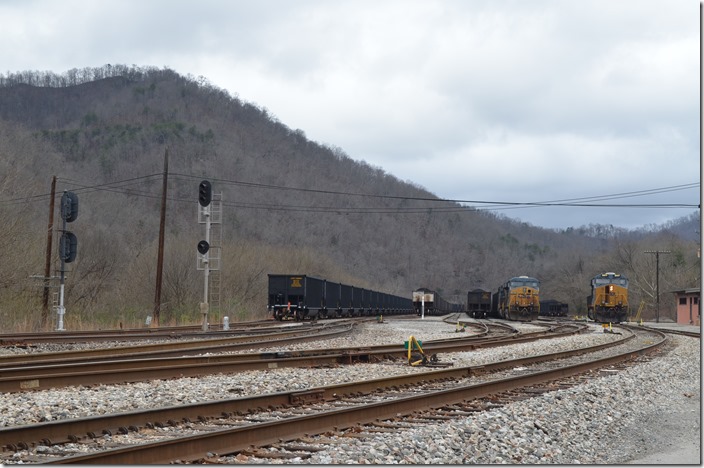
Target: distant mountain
{"x": 289, "y": 205}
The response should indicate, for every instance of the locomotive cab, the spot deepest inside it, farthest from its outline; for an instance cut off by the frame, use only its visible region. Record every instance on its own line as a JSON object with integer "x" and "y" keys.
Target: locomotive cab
{"x": 519, "y": 299}
{"x": 608, "y": 302}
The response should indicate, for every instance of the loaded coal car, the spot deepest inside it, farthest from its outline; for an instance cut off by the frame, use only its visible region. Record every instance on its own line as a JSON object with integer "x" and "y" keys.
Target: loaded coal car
{"x": 375, "y": 303}
{"x": 353, "y": 301}
{"x": 333, "y": 300}
{"x": 397, "y": 305}
{"x": 429, "y": 302}
{"x": 518, "y": 299}
{"x": 345, "y": 307}
{"x": 553, "y": 308}
{"x": 299, "y": 297}
{"x": 367, "y": 306}
{"x": 478, "y": 303}
{"x": 357, "y": 301}
{"x": 608, "y": 301}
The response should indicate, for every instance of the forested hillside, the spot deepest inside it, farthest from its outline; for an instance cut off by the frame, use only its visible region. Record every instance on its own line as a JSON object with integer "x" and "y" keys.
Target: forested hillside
{"x": 290, "y": 205}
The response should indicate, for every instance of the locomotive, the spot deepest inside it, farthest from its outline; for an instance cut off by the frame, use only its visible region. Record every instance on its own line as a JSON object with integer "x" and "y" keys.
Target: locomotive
{"x": 608, "y": 301}
{"x": 517, "y": 299}
{"x": 429, "y": 302}
{"x": 299, "y": 297}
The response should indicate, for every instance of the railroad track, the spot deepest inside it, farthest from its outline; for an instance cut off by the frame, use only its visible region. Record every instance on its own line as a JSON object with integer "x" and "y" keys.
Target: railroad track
{"x": 463, "y": 385}
{"x": 135, "y": 334}
{"x": 281, "y": 335}
{"x": 110, "y": 366}
{"x": 691, "y": 334}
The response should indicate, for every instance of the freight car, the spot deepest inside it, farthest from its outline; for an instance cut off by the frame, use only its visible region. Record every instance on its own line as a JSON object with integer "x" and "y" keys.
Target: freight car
{"x": 517, "y": 299}
{"x": 478, "y": 303}
{"x": 553, "y": 308}
{"x": 299, "y": 297}
{"x": 608, "y": 301}
{"x": 429, "y": 302}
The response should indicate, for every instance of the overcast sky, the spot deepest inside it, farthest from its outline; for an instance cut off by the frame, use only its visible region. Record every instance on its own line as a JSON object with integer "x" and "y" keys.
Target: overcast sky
{"x": 515, "y": 101}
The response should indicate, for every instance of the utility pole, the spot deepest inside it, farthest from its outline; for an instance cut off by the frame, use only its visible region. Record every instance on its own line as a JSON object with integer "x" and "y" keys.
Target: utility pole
{"x": 657, "y": 279}
{"x": 47, "y": 263}
{"x": 160, "y": 258}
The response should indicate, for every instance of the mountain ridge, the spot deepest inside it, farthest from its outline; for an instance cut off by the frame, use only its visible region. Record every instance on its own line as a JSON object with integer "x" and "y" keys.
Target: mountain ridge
{"x": 290, "y": 204}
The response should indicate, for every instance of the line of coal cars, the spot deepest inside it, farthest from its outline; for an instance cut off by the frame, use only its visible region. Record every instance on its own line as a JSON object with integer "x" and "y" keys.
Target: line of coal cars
{"x": 301, "y": 296}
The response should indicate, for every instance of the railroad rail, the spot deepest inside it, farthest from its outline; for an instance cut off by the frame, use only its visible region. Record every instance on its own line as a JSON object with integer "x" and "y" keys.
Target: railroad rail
{"x": 282, "y": 335}
{"x": 224, "y": 441}
{"x": 18, "y": 376}
{"x": 134, "y": 334}
{"x": 672, "y": 331}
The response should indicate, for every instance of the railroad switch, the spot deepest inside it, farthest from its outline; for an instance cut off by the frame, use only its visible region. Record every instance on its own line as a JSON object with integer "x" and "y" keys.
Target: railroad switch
{"x": 608, "y": 329}
{"x": 417, "y": 357}
{"x": 460, "y": 327}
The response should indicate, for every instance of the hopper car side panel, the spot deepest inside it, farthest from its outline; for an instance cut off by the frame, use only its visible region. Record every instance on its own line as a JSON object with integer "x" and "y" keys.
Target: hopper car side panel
{"x": 478, "y": 303}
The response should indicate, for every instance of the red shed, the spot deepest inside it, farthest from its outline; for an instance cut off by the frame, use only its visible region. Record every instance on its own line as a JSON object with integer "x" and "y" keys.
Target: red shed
{"x": 687, "y": 301}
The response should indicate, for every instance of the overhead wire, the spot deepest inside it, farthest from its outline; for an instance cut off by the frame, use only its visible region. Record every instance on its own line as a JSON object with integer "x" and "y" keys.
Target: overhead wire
{"x": 573, "y": 202}
{"x": 131, "y": 187}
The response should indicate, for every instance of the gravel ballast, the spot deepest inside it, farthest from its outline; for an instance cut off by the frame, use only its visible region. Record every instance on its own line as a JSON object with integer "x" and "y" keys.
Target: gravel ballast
{"x": 627, "y": 417}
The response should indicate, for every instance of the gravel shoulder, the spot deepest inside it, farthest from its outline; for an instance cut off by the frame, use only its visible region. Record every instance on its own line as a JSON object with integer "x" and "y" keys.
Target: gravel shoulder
{"x": 647, "y": 414}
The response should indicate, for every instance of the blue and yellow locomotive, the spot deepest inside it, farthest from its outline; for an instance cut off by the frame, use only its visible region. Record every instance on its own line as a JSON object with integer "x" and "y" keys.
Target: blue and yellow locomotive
{"x": 608, "y": 301}
{"x": 517, "y": 299}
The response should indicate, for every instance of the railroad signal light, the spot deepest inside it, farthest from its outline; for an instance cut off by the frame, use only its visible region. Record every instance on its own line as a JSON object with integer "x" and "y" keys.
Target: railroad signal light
{"x": 205, "y": 193}
{"x": 203, "y": 247}
{"x": 69, "y": 206}
{"x": 68, "y": 246}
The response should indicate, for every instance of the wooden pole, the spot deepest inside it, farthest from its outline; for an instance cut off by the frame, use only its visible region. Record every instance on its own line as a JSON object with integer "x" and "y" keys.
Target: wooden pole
{"x": 47, "y": 264}
{"x": 657, "y": 280}
{"x": 160, "y": 259}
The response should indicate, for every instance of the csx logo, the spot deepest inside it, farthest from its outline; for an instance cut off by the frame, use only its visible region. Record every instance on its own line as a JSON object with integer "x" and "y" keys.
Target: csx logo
{"x": 296, "y": 282}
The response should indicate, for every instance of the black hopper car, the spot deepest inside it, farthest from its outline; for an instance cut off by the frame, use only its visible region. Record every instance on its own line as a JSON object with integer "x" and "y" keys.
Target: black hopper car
{"x": 429, "y": 302}
{"x": 553, "y": 308}
{"x": 299, "y": 297}
{"x": 478, "y": 303}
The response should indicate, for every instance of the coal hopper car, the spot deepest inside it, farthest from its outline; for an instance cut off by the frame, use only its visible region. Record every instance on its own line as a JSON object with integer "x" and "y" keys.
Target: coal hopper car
{"x": 300, "y": 297}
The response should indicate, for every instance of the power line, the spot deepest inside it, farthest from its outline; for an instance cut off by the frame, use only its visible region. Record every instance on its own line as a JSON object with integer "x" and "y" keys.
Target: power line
{"x": 575, "y": 202}
{"x": 128, "y": 187}
{"x": 79, "y": 187}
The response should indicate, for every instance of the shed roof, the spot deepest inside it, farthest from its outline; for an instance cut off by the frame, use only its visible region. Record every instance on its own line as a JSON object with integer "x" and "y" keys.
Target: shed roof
{"x": 687, "y": 291}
